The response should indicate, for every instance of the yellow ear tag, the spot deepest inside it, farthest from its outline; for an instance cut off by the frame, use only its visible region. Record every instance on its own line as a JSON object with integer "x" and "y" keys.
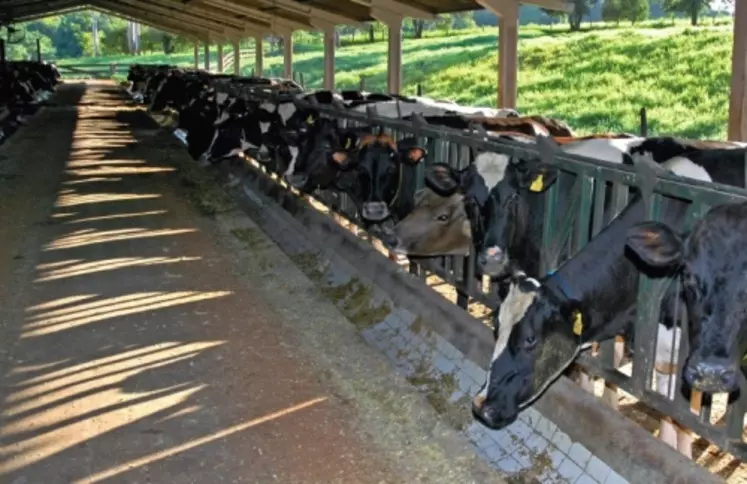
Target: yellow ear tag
{"x": 578, "y": 324}
{"x": 310, "y": 119}
{"x": 347, "y": 143}
{"x": 536, "y": 185}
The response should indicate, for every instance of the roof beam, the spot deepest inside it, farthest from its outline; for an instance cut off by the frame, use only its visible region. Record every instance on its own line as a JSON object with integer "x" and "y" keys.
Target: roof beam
{"x": 214, "y": 26}
{"x": 145, "y": 16}
{"x": 227, "y": 18}
{"x": 259, "y": 21}
{"x": 51, "y": 13}
{"x": 160, "y": 25}
{"x": 317, "y": 13}
{"x": 397, "y": 8}
{"x": 36, "y": 9}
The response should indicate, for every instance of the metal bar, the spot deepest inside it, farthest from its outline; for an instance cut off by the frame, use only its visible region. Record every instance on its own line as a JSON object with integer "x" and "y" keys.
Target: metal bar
{"x": 647, "y": 312}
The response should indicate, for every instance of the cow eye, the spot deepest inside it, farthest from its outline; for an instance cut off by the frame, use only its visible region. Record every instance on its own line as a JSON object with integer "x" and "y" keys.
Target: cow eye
{"x": 443, "y": 217}
{"x": 530, "y": 342}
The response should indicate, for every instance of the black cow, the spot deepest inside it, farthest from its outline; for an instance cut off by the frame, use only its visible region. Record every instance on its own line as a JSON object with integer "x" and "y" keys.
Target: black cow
{"x": 710, "y": 262}
{"x": 381, "y": 175}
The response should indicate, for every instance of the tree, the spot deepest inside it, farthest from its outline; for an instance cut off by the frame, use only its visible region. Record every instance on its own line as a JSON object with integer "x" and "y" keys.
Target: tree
{"x": 612, "y": 11}
{"x": 693, "y": 8}
{"x": 634, "y": 10}
{"x": 417, "y": 28}
{"x": 554, "y": 15}
{"x": 580, "y": 8}
{"x": 95, "y": 32}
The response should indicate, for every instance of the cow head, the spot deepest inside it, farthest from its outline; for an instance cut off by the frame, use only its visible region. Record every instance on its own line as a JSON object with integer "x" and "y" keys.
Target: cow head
{"x": 711, "y": 263}
{"x": 493, "y": 210}
{"x": 531, "y": 323}
{"x": 505, "y": 213}
{"x": 322, "y": 151}
{"x": 438, "y": 225}
{"x": 380, "y": 169}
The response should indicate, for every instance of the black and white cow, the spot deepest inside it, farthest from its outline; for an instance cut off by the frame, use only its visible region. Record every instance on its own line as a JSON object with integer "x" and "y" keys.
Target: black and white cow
{"x": 710, "y": 262}
{"x": 591, "y": 297}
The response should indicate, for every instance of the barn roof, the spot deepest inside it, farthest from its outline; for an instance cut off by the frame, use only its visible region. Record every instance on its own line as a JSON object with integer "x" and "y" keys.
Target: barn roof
{"x": 234, "y": 19}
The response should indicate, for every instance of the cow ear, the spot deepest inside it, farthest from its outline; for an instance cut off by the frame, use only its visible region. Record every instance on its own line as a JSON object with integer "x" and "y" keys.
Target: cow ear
{"x": 655, "y": 243}
{"x": 440, "y": 178}
{"x": 410, "y": 151}
{"x": 538, "y": 178}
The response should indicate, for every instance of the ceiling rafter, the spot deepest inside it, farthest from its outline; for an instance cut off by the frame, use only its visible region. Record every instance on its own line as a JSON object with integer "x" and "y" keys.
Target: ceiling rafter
{"x": 315, "y": 13}
{"x": 162, "y": 24}
{"x": 223, "y": 16}
{"x": 216, "y": 25}
{"x": 401, "y": 9}
{"x": 36, "y": 8}
{"x": 183, "y": 24}
{"x": 60, "y": 11}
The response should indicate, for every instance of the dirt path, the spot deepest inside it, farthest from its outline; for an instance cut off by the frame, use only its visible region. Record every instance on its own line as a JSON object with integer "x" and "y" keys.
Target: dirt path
{"x": 130, "y": 348}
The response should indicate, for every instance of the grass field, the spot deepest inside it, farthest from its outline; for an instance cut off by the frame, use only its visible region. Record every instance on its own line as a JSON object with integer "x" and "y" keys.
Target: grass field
{"x": 596, "y": 81}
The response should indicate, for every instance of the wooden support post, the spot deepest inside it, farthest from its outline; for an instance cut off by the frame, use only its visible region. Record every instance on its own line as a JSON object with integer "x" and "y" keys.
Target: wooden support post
{"x": 288, "y": 55}
{"x": 738, "y": 98}
{"x": 207, "y": 56}
{"x": 329, "y": 59}
{"x": 394, "y": 56}
{"x": 220, "y": 57}
{"x": 508, "y": 55}
{"x": 236, "y": 57}
{"x": 258, "y": 57}
{"x": 197, "y": 55}
{"x": 38, "y": 51}
{"x": 394, "y": 51}
{"x": 508, "y": 46}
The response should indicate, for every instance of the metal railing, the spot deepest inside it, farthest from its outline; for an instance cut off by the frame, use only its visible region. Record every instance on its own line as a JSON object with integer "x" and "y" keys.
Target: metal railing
{"x": 587, "y": 216}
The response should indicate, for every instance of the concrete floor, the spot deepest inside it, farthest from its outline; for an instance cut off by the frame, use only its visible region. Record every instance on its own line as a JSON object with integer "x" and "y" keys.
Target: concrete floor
{"x": 131, "y": 350}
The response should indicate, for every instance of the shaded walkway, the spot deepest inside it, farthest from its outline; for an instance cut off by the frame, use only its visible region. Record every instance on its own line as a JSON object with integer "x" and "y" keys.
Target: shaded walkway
{"x": 128, "y": 351}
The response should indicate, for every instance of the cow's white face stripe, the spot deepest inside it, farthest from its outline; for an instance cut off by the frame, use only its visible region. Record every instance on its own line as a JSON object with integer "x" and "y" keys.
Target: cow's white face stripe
{"x": 511, "y": 312}
{"x": 245, "y": 145}
{"x": 223, "y": 116}
{"x": 491, "y": 167}
{"x": 221, "y": 97}
{"x": 210, "y": 148}
{"x": 286, "y": 110}
{"x": 292, "y": 165}
{"x": 264, "y": 127}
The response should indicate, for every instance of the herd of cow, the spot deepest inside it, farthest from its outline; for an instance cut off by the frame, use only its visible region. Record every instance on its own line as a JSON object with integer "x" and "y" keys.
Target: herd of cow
{"x": 495, "y": 206}
{"x": 24, "y": 86}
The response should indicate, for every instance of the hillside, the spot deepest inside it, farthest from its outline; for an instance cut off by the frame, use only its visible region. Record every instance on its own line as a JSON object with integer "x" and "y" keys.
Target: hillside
{"x": 596, "y": 81}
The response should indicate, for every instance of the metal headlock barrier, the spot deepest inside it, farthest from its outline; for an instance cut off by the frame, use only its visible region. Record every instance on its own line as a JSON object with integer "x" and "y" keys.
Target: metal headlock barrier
{"x": 588, "y": 212}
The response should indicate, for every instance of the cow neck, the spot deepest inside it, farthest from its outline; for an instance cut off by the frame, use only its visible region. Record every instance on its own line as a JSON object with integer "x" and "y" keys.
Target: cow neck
{"x": 600, "y": 278}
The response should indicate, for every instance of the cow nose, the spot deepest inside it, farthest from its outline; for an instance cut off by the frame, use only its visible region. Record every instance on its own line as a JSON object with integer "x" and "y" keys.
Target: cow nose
{"x": 297, "y": 180}
{"x": 711, "y": 377}
{"x": 492, "y": 261}
{"x": 485, "y": 414}
{"x": 375, "y": 211}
